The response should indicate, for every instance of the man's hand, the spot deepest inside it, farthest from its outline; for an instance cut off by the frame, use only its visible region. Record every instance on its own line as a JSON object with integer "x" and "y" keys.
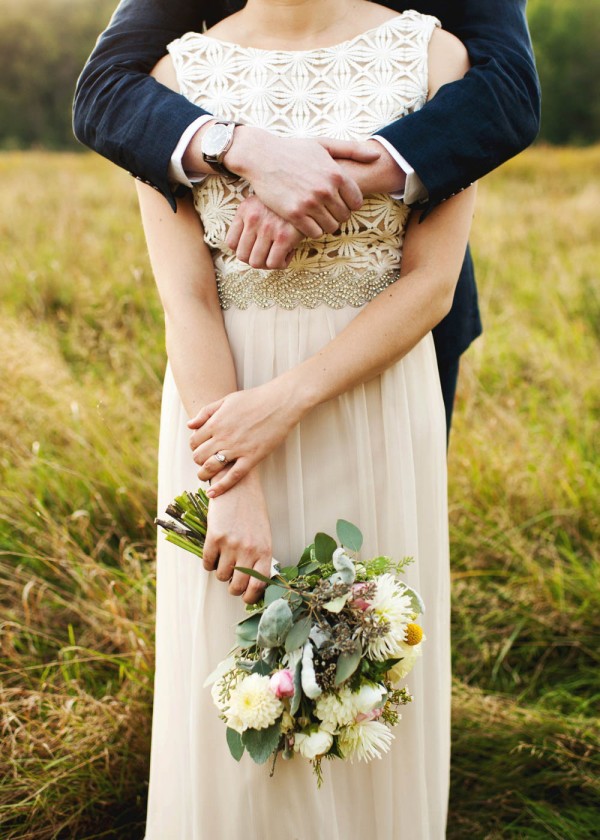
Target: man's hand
{"x": 261, "y": 238}
{"x": 264, "y": 240}
{"x": 381, "y": 175}
{"x": 239, "y": 534}
{"x": 296, "y": 178}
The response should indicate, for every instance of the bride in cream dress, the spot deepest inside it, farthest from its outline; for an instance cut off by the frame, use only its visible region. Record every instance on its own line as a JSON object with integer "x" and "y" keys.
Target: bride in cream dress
{"x": 339, "y": 407}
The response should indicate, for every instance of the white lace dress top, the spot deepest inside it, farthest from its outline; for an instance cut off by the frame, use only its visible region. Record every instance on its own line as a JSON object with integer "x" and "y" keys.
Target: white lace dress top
{"x": 347, "y": 91}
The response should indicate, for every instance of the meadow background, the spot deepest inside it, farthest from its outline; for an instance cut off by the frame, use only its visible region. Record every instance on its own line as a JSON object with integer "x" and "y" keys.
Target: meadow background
{"x": 81, "y": 364}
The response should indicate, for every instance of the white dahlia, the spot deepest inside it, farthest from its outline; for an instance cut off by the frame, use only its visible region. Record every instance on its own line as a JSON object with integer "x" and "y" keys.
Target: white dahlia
{"x": 252, "y": 704}
{"x": 336, "y": 710}
{"x": 393, "y": 607}
{"x": 365, "y": 740}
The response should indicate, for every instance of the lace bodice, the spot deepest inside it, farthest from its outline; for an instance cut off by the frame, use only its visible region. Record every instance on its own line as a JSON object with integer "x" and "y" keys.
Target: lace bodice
{"x": 347, "y": 91}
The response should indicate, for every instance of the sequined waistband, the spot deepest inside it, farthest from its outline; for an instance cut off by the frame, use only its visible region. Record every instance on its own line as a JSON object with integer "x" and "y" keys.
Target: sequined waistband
{"x": 336, "y": 288}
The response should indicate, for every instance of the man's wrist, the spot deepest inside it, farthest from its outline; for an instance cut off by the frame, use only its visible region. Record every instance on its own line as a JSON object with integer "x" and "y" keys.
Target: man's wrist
{"x": 413, "y": 190}
{"x": 237, "y": 159}
{"x": 192, "y": 161}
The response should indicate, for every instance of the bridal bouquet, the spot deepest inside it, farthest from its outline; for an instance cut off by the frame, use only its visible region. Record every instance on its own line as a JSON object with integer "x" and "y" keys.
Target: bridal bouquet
{"x": 316, "y": 663}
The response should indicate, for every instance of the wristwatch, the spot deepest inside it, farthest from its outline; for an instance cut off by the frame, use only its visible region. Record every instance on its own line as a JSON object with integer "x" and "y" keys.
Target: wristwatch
{"x": 215, "y": 143}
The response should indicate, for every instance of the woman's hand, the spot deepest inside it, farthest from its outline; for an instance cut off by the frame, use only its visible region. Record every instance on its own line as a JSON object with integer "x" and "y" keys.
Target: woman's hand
{"x": 239, "y": 534}
{"x": 244, "y": 427}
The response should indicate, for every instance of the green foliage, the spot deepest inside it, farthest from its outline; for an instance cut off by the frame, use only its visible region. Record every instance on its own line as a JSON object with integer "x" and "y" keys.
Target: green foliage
{"x": 347, "y": 664}
{"x": 324, "y": 548}
{"x": 83, "y": 348}
{"x": 566, "y": 35}
{"x": 298, "y": 634}
{"x": 43, "y": 47}
{"x": 262, "y": 743}
{"x": 348, "y": 535}
{"x": 235, "y": 744}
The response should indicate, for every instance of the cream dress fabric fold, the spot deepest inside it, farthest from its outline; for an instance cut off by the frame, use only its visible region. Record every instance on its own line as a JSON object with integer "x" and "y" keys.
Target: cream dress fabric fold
{"x": 375, "y": 456}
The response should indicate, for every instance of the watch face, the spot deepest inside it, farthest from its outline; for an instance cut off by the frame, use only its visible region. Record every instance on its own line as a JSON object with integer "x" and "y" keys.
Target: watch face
{"x": 215, "y": 139}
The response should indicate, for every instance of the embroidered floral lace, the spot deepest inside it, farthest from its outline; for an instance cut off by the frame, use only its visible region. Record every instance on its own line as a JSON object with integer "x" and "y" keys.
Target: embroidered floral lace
{"x": 347, "y": 91}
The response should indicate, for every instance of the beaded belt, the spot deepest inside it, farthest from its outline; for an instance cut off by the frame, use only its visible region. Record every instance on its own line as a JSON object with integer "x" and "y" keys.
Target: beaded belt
{"x": 335, "y": 287}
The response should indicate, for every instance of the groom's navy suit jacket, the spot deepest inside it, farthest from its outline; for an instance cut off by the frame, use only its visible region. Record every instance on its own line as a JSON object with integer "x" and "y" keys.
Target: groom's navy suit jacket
{"x": 469, "y": 128}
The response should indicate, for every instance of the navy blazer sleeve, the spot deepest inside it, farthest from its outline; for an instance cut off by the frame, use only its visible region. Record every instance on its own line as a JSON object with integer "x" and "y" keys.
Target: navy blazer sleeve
{"x": 473, "y": 125}
{"x": 468, "y": 129}
{"x": 120, "y": 111}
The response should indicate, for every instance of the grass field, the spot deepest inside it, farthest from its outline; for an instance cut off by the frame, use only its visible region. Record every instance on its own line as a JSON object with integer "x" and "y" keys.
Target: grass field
{"x": 81, "y": 361}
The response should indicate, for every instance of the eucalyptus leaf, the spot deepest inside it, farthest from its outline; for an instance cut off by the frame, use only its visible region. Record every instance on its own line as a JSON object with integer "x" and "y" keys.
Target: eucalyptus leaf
{"x": 247, "y": 630}
{"x": 349, "y": 535}
{"x": 261, "y": 667}
{"x": 295, "y": 600}
{"x": 347, "y": 664}
{"x": 289, "y": 572}
{"x": 311, "y": 567}
{"x": 324, "y": 548}
{"x": 250, "y": 615}
{"x": 234, "y": 742}
{"x": 274, "y": 624}
{"x": 306, "y": 556}
{"x": 298, "y": 634}
{"x": 253, "y": 573}
{"x": 337, "y": 604}
{"x": 219, "y": 671}
{"x": 273, "y": 592}
{"x": 262, "y": 743}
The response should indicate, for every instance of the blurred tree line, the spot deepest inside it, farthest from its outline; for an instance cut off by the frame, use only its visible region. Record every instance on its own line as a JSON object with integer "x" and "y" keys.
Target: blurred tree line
{"x": 44, "y": 44}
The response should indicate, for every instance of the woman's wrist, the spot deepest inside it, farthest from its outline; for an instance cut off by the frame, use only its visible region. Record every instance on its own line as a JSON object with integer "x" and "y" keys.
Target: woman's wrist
{"x": 300, "y": 389}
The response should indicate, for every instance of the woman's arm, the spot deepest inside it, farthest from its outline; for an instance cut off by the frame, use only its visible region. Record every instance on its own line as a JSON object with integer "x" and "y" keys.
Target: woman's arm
{"x": 203, "y": 369}
{"x": 248, "y": 425}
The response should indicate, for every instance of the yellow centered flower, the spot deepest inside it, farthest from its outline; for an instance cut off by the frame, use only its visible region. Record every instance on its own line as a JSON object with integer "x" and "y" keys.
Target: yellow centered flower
{"x": 414, "y": 634}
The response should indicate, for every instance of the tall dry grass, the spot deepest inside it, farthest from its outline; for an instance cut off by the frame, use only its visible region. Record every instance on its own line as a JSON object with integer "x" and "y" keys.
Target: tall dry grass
{"x": 81, "y": 361}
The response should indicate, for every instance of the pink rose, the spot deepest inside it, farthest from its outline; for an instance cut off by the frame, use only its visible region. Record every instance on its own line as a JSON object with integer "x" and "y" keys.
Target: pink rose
{"x": 282, "y": 683}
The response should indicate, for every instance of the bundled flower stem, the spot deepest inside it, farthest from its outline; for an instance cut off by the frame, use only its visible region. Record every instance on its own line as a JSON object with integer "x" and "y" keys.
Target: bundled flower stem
{"x": 190, "y": 512}
{"x": 316, "y": 663}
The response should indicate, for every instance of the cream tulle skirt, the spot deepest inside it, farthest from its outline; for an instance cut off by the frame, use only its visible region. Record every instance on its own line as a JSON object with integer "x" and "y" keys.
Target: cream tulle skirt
{"x": 376, "y": 457}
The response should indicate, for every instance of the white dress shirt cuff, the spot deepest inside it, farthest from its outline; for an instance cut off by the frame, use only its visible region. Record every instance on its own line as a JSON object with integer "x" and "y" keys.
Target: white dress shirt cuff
{"x": 176, "y": 170}
{"x": 414, "y": 190}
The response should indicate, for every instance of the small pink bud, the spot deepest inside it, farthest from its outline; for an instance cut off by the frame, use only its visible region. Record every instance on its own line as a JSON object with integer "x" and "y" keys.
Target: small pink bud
{"x": 282, "y": 683}
{"x": 357, "y": 602}
{"x": 372, "y": 715}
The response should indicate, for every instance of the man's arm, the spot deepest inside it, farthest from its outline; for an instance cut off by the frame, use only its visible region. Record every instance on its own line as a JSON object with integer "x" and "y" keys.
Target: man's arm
{"x": 129, "y": 118}
{"x": 477, "y": 123}
{"x": 122, "y": 113}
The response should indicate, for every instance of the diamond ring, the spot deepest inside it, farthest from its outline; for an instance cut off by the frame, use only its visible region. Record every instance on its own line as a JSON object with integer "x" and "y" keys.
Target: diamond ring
{"x": 221, "y": 458}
